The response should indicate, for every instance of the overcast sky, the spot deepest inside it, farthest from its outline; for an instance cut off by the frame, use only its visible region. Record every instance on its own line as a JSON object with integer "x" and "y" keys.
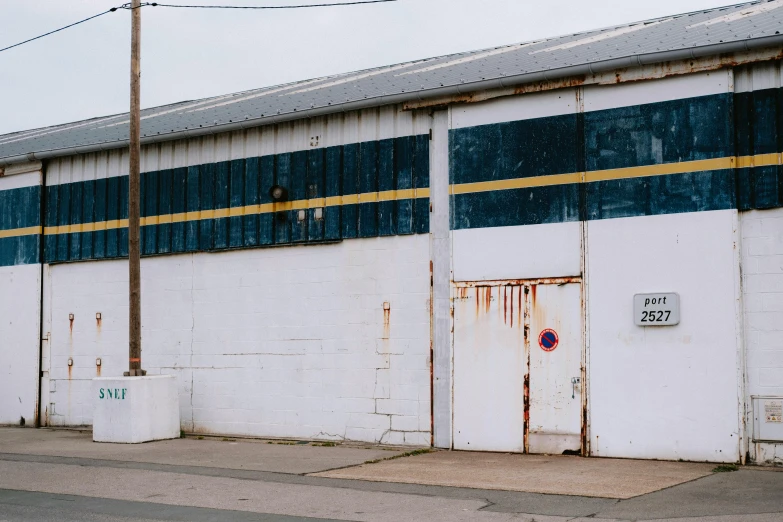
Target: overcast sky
{"x": 195, "y": 53}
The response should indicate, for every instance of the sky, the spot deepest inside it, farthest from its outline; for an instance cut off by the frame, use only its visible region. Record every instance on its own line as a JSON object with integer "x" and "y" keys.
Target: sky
{"x": 188, "y": 54}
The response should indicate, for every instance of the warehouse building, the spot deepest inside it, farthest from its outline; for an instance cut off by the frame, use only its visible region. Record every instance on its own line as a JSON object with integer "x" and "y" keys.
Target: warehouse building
{"x": 572, "y": 245}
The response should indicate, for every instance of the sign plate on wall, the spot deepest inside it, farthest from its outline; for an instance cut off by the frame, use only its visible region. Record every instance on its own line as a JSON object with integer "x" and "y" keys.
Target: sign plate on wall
{"x": 773, "y": 411}
{"x": 656, "y": 309}
{"x": 548, "y": 340}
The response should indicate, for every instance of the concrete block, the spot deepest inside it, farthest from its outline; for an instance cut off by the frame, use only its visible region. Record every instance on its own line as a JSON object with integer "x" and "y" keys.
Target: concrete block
{"x": 397, "y": 407}
{"x": 131, "y": 410}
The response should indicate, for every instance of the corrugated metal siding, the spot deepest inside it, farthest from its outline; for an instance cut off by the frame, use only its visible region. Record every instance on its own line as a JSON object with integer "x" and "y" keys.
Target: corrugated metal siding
{"x": 759, "y": 131}
{"x": 205, "y": 195}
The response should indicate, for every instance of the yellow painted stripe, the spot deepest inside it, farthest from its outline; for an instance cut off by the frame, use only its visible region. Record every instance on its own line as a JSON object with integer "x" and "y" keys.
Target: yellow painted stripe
{"x": 759, "y": 160}
{"x": 17, "y": 232}
{"x": 517, "y": 183}
{"x": 663, "y": 169}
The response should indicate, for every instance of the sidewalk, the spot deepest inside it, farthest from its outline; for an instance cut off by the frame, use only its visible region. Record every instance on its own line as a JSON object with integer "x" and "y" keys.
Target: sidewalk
{"x": 212, "y": 452}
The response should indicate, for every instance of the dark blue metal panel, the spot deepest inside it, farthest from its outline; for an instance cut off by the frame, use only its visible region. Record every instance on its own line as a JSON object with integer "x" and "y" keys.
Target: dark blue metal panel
{"x": 266, "y": 222}
{"x": 20, "y": 208}
{"x": 99, "y": 236}
{"x": 759, "y": 130}
{"x": 221, "y": 201}
{"x": 679, "y": 193}
{"x": 298, "y": 192}
{"x": 122, "y": 233}
{"x": 250, "y": 197}
{"x": 403, "y": 166}
{"x": 206, "y": 194}
{"x": 666, "y": 132}
{"x": 63, "y": 218}
{"x": 529, "y": 206}
{"x": 193, "y": 204}
{"x": 421, "y": 179}
{"x": 386, "y": 182}
{"x": 283, "y": 178}
{"x": 88, "y": 216}
{"x": 350, "y": 213}
{"x": 315, "y": 189}
{"x": 179, "y": 178}
{"x": 517, "y": 149}
{"x": 50, "y": 241}
{"x": 22, "y": 250}
{"x": 112, "y": 213}
{"x": 165, "y": 200}
{"x": 75, "y": 251}
{"x": 150, "y": 191}
{"x": 332, "y": 186}
{"x": 368, "y": 183}
{"x": 237, "y": 199}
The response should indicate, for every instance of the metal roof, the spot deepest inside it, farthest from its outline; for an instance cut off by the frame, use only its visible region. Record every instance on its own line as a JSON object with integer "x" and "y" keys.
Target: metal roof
{"x": 703, "y": 33}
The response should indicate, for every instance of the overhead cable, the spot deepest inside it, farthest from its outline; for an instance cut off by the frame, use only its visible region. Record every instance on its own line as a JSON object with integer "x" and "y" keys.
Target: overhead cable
{"x": 303, "y": 6}
{"x": 61, "y": 29}
{"x": 127, "y": 6}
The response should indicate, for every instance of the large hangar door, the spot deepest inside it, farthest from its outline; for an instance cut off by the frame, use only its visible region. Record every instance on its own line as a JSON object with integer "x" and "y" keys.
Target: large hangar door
{"x": 517, "y": 356}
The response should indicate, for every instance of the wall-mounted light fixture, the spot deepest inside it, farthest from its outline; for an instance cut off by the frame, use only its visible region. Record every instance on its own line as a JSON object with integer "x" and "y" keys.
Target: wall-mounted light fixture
{"x": 278, "y": 193}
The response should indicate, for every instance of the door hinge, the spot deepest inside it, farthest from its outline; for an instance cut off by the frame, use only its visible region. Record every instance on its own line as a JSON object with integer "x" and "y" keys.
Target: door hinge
{"x": 430, "y": 134}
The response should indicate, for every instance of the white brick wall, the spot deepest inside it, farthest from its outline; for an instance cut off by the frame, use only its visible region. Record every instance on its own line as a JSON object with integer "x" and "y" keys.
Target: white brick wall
{"x": 281, "y": 342}
{"x": 762, "y": 268}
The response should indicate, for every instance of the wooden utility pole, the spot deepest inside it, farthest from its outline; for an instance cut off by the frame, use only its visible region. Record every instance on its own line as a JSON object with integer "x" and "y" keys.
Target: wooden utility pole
{"x": 134, "y": 254}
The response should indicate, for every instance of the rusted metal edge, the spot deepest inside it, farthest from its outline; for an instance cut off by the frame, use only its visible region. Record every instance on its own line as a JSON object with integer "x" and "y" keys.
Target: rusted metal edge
{"x": 633, "y": 73}
{"x": 519, "y": 282}
{"x": 427, "y": 95}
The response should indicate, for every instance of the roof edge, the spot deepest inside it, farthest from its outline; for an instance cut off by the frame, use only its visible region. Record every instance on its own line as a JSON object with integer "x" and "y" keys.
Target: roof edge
{"x": 452, "y": 90}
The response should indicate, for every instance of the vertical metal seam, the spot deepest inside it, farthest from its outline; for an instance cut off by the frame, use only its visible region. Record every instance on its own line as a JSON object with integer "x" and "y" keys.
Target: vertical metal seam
{"x": 41, "y": 259}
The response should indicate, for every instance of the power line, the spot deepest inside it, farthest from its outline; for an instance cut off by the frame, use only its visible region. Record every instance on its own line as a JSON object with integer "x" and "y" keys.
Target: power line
{"x": 334, "y": 4}
{"x": 156, "y": 4}
{"x": 61, "y": 29}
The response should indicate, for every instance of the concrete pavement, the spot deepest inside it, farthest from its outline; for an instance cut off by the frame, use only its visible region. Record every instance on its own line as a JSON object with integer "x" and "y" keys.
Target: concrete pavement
{"x": 55, "y": 475}
{"x": 217, "y": 452}
{"x": 551, "y": 474}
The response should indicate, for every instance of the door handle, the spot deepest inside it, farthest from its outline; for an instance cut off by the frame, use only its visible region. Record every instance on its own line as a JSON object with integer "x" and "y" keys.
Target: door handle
{"x": 574, "y": 382}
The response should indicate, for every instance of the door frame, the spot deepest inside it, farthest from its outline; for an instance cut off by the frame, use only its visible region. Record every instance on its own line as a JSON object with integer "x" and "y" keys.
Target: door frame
{"x": 527, "y": 284}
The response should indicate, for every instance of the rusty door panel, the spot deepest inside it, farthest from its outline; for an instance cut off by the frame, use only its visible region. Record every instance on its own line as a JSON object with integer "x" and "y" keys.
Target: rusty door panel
{"x": 555, "y": 370}
{"x": 489, "y": 368}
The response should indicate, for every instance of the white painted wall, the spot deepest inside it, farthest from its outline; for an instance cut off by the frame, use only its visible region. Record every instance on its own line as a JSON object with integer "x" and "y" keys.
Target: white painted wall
{"x": 278, "y": 342}
{"x": 520, "y": 252}
{"x": 20, "y": 318}
{"x": 762, "y": 275}
{"x": 665, "y": 392}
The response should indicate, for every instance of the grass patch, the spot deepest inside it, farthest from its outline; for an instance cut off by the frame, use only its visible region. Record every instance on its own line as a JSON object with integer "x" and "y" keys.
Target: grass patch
{"x": 226, "y": 439}
{"x": 328, "y": 444}
{"x": 200, "y": 437}
{"x": 725, "y": 468}
{"x": 413, "y": 453}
